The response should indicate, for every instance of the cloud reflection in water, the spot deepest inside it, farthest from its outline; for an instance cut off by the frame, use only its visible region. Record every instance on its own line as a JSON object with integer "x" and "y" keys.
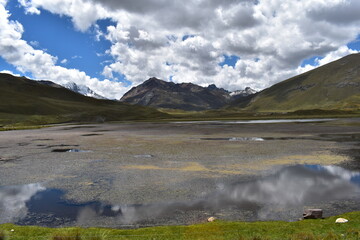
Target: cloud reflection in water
{"x": 293, "y": 186}
{"x": 288, "y": 188}
{"x": 13, "y": 201}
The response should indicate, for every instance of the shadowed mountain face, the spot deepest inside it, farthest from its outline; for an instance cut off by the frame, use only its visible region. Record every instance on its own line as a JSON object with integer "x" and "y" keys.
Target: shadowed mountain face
{"x": 29, "y": 101}
{"x": 185, "y": 96}
{"x": 333, "y": 86}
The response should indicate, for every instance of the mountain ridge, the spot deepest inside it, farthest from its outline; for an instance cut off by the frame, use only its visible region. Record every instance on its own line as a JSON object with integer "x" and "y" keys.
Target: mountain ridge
{"x": 82, "y": 89}
{"x": 335, "y": 85}
{"x": 33, "y": 102}
{"x": 184, "y": 96}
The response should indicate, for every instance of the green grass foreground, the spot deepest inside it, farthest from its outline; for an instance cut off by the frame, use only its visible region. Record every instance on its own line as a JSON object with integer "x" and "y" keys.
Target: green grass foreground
{"x": 302, "y": 230}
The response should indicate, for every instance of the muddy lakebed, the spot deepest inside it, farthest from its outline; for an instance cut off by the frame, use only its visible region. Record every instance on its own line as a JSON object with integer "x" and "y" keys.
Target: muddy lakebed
{"x": 129, "y": 175}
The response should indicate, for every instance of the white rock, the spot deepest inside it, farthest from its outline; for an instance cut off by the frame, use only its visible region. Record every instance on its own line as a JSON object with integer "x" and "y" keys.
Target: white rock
{"x": 211, "y": 219}
{"x": 341, "y": 220}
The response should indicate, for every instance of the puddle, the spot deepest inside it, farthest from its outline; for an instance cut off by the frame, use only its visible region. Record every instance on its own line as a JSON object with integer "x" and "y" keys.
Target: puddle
{"x": 260, "y": 121}
{"x": 42, "y": 139}
{"x": 267, "y": 198}
{"x": 235, "y": 139}
{"x": 247, "y": 139}
{"x": 144, "y": 156}
{"x": 69, "y": 150}
{"x": 91, "y": 134}
{"x": 62, "y": 145}
{"x": 324, "y": 137}
{"x": 7, "y": 159}
{"x": 79, "y": 127}
{"x": 283, "y": 121}
{"x": 33, "y": 204}
{"x": 22, "y": 144}
{"x": 288, "y": 138}
{"x": 355, "y": 137}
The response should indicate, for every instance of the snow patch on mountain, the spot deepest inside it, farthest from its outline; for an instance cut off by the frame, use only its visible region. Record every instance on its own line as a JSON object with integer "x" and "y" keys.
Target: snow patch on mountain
{"x": 82, "y": 89}
{"x": 243, "y": 93}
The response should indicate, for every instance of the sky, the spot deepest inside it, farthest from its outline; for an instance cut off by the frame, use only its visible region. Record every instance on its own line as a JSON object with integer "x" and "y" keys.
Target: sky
{"x": 114, "y": 45}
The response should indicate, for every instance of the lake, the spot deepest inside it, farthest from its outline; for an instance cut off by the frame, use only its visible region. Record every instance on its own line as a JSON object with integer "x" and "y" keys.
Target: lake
{"x": 147, "y": 174}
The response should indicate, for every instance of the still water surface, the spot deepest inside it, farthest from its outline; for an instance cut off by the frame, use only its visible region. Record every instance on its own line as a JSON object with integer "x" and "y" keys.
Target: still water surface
{"x": 263, "y": 121}
{"x": 267, "y": 198}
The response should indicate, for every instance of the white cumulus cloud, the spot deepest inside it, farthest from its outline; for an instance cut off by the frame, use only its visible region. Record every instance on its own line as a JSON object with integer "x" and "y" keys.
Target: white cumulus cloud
{"x": 43, "y": 65}
{"x": 186, "y": 40}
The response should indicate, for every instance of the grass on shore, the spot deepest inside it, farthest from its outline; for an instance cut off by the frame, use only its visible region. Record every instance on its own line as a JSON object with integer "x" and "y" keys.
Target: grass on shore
{"x": 300, "y": 230}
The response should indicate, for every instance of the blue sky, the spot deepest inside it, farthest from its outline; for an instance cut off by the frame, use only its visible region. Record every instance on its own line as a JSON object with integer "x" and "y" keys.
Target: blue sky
{"x": 355, "y": 45}
{"x": 56, "y": 35}
{"x": 112, "y": 46}
{"x": 229, "y": 60}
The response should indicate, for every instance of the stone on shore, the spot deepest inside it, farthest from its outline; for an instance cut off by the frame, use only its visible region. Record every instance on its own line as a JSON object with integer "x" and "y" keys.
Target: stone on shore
{"x": 312, "y": 214}
{"x": 341, "y": 220}
{"x": 211, "y": 219}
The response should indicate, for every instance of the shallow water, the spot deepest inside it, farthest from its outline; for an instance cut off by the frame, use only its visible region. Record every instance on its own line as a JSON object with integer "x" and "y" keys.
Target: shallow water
{"x": 144, "y": 156}
{"x": 280, "y": 195}
{"x": 236, "y": 139}
{"x": 69, "y": 150}
{"x": 262, "y": 121}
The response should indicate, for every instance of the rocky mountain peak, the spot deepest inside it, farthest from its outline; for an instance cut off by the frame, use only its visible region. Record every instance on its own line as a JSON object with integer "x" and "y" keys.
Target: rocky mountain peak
{"x": 82, "y": 89}
{"x": 186, "y": 96}
{"x": 243, "y": 93}
{"x": 154, "y": 82}
{"x": 212, "y": 87}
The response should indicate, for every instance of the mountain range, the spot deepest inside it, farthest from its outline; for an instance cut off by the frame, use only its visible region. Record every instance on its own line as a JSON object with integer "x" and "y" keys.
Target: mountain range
{"x": 38, "y": 102}
{"x": 334, "y": 86}
{"x": 185, "y": 96}
{"x": 81, "y": 89}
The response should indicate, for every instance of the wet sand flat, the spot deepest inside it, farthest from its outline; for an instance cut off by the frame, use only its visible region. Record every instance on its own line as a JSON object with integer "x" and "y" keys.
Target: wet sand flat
{"x": 147, "y": 163}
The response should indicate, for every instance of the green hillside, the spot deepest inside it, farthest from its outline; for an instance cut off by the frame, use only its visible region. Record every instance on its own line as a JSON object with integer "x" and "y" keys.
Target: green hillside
{"x": 31, "y": 102}
{"x": 334, "y": 86}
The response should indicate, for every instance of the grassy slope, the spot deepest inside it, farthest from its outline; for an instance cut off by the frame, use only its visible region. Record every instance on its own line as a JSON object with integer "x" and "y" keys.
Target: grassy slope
{"x": 28, "y": 102}
{"x": 332, "y": 86}
{"x": 307, "y": 229}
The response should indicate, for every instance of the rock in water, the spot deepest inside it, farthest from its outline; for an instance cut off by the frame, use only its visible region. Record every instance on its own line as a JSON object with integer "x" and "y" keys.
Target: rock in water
{"x": 341, "y": 220}
{"x": 312, "y": 213}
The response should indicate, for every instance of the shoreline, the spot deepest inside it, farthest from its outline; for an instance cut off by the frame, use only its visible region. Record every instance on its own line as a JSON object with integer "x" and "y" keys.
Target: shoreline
{"x": 200, "y": 118}
{"x": 305, "y": 229}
